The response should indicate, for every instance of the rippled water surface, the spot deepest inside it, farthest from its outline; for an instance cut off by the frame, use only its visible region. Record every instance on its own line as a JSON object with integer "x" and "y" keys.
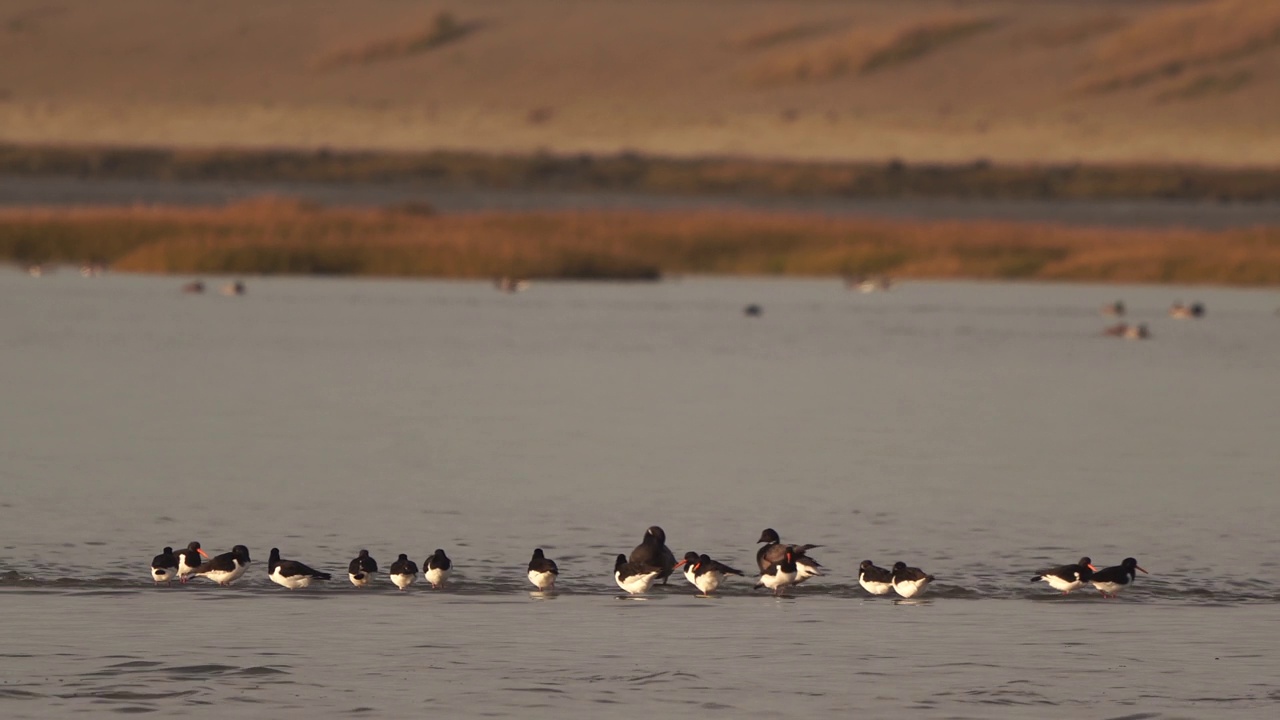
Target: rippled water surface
{"x": 980, "y": 431}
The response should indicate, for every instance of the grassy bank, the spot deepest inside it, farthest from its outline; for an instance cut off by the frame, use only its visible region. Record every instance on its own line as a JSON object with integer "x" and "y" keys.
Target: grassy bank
{"x": 279, "y": 236}
{"x": 651, "y": 174}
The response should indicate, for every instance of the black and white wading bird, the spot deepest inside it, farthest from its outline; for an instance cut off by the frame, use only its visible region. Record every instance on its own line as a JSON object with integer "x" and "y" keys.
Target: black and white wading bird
{"x": 1068, "y": 577}
{"x": 164, "y": 567}
{"x": 291, "y": 573}
{"x": 780, "y": 574}
{"x": 226, "y": 568}
{"x": 1112, "y": 580}
{"x": 404, "y": 572}
{"x": 362, "y": 569}
{"x": 704, "y": 573}
{"x": 873, "y": 579}
{"x": 189, "y": 558}
{"x": 774, "y": 550}
{"x": 436, "y": 568}
{"x": 653, "y": 551}
{"x": 543, "y": 571}
{"x": 909, "y": 581}
{"x": 634, "y": 577}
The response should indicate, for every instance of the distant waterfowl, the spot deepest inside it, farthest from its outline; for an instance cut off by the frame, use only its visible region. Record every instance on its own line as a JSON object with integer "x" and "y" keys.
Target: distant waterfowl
{"x": 753, "y": 310}
{"x": 235, "y": 288}
{"x": 868, "y": 283}
{"x": 875, "y": 580}
{"x": 909, "y": 581}
{"x": 634, "y": 577}
{"x": 35, "y": 271}
{"x": 164, "y": 567}
{"x": 511, "y": 285}
{"x": 704, "y": 573}
{"x": 1128, "y": 332}
{"x": 436, "y": 568}
{"x": 1193, "y": 311}
{"x": 189, "y": 558}
{"x": 291, "y": 573}
{"x": 1110, "y": 581}
{"x": 1068, "y": 577}
{"x": 774, "y": 551}
{"x": 1115, "y": 309}
{"x": 779, "y": 575}
{"x": 91, "y": 269}
{"x": 362, "y": 569}
{"x": 653, "y": 551}
{"x": 543, "y": 571}
{"x": 404, "y": 572}
{"x": 194, "y": 287}
{"x": 226, "y": 568}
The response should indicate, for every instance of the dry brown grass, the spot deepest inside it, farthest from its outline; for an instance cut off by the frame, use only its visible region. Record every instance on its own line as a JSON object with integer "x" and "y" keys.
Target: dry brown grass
{"x": 867, "y": 49}
{"x": 1173, "y": 41}
{"x": 1061, "y": 35}
{"x": 286, "y": 237}
{"x": 443, "y": 29}
{"x": 761, "y": 38}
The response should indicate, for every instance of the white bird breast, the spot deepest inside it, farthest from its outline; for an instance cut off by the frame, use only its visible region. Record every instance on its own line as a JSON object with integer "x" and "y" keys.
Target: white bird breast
{"x": 293, "y": 582}
{"x": 404, "y": 580}
{"x": 635, "y": 584}
{"x": 909, "y": 588}
{"x": 542, "y": 580}
{"x": 876, "y": 588}
{"x": 436, "y": 576}
{"x": 226, "y": 577}
{"x": 362, "y": 581}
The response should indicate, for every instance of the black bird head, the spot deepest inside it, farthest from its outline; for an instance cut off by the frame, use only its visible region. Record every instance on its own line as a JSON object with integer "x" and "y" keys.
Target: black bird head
{"x": 537, "y": 554}
{"x": 769, "y": 535}
{"x": 690, "y": 559}
{"x": 241, "y": 553}
{"x": 622, "y": 560}
{"x": 1130, "y": 564}
{"x": 657, "y": 534}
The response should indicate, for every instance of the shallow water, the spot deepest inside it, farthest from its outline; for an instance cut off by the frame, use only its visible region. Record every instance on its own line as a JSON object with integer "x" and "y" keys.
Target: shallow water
{"x": 24, "y": 191}
{"x": 980, "y": 431}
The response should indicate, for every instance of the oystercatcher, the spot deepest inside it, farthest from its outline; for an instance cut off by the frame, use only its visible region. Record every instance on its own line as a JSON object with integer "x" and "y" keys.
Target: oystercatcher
{"x": 542, "y": 571}
{"x": 291, "y": 573}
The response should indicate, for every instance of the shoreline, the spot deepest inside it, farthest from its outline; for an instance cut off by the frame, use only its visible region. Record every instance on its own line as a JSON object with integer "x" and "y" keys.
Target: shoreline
{"x": 282, "y": 237}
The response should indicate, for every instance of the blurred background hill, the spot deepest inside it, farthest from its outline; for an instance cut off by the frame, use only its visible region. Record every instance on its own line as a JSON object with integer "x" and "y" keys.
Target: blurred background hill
{"x": 918, "y": 80}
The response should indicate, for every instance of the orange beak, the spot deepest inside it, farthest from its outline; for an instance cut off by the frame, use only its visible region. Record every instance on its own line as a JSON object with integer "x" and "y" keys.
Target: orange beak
{"x": 204, "y": 554}
{"x": 1091, "y": 567}
{"x": 695, "y": 567}
{"x": 1140, "y": 568}
{"x": 679, "y": 564}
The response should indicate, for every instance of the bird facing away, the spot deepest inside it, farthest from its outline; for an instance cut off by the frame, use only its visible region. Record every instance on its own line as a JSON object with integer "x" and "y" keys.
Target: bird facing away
{"x": 404, "y": 572}
{"x": 653, "y": 551}
{"x": 436, "y": 568}
{"x": 164, "y": 567}
{"x": 543, "y": 571}
{"x": 362, "y": 569}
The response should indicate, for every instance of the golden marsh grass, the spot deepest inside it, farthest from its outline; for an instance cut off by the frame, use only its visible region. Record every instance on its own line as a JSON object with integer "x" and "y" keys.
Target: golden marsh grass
{"x": 281, "y": 236}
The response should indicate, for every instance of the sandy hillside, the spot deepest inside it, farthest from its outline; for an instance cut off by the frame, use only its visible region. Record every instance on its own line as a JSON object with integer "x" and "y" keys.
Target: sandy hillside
{"x": 1091, "y": 80}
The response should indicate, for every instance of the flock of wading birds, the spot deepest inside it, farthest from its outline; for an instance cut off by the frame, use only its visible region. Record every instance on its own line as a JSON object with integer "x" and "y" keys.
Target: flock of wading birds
{"x": 781, "y": 565}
